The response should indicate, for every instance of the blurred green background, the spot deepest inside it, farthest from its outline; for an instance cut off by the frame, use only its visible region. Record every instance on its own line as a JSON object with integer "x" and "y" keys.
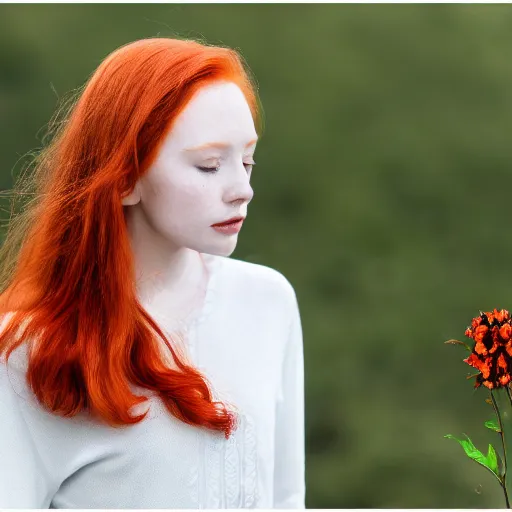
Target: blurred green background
{"x": 382, "y": 192}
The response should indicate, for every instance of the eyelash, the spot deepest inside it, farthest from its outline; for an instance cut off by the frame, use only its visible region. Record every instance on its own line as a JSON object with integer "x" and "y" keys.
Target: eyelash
{"x": 213, "y": 170}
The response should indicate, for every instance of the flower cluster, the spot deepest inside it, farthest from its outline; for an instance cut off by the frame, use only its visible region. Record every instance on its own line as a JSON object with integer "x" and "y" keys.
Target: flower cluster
{"x": 492, "y": 351}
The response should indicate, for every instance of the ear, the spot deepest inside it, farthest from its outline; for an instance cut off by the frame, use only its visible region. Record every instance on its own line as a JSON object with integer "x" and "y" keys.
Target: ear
{"x": 132, "y": 197}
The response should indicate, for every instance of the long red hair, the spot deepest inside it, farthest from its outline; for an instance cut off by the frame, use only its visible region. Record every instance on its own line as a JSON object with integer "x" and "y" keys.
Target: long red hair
{"x": 66, "y": 268}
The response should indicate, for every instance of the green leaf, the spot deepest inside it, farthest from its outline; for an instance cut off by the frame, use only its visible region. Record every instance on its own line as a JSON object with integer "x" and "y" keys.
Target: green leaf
{"x": 492, "y": 425}
{"x": 457, "y": 342}
{"x": 490, "y": 462}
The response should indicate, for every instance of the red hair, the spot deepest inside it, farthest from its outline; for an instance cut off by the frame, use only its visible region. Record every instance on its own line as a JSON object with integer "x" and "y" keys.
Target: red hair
{"x": 67, "y": 270}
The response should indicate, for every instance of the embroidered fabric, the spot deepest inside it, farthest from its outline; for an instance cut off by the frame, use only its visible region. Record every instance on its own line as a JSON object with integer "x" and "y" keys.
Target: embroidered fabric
{"x": 227, "y": 475}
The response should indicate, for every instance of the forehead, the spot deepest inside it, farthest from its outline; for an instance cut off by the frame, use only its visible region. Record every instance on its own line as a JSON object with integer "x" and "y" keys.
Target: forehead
{"x": 216, "y": 112}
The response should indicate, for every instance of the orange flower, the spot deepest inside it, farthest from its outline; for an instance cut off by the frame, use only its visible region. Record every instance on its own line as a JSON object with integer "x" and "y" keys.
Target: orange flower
{"x": 480, "y": 332}
{"x": 480, "y": 348}
{"x": 505, "y": 331}
{"x": 484, "y": 366}
{"x": 501, "y": 316}
{"x": 497, "y": 341}
{"x": 476, "y": 322}
{"x": 491, "y": 354}
{"x": 504, "y": 379}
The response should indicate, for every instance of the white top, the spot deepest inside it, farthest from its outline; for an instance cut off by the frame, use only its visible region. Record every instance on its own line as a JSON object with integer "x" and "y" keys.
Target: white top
{"x": 247, "y": 340}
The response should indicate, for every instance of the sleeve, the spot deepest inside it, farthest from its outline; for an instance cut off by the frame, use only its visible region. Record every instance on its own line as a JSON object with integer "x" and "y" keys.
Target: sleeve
{"x": 289, "y": 469}
{"x": 24, "y": 479}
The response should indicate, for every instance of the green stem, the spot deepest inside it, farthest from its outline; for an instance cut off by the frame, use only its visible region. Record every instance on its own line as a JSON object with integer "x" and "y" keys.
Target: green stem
{"x": 502, "y": 397}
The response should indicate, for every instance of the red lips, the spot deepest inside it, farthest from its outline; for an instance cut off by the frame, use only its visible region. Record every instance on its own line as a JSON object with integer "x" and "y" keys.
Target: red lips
{"x": 229, "y": 221}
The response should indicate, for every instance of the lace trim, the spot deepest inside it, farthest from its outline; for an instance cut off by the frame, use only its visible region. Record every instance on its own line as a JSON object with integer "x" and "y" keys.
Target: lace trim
{"x": 250, "y": 465}
{"x": 194, "y": 482}
{"x": 233, "y": 466}
{"x": 227, "y": 474}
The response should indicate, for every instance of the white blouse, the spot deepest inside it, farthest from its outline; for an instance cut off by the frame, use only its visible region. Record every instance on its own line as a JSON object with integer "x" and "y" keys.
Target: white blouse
{"x": 247, "y": 341}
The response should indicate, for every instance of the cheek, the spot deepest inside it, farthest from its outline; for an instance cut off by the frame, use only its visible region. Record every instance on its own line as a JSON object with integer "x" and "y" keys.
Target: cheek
{"x": 178, "y": 203}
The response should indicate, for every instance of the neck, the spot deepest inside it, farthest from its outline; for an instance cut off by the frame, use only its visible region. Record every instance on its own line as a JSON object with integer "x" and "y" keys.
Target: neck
{"x": 169, "y": 279}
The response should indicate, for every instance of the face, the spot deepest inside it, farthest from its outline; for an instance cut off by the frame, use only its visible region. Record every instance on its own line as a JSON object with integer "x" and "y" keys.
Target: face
{"x": 201, "y": 175}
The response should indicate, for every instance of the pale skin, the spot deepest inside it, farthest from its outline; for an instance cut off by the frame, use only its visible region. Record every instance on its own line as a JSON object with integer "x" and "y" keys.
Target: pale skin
{"x": 172, "y": 207}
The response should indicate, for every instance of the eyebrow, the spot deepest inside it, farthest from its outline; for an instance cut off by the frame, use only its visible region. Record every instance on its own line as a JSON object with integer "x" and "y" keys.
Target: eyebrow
{"x": 219, "y": 145}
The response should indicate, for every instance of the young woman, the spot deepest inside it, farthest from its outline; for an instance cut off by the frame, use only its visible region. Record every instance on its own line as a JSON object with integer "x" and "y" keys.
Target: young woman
{"x": 142, "y": 367}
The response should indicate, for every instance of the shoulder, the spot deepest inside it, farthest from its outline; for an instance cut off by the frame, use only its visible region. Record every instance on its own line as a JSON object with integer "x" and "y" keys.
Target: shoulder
{"x": 259, "y": 282}
{"x": 259, "y": 276}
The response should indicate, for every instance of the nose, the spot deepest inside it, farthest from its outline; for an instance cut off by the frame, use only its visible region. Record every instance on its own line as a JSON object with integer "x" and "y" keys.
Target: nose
{"x": 239, "y": 190}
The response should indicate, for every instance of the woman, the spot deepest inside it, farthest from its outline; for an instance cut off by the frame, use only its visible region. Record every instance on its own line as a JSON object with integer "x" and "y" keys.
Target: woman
{"x": 118, "y": 290}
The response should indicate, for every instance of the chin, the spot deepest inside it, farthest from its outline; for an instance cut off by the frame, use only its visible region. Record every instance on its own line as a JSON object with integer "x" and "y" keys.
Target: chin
{"x": 218, "y": 249}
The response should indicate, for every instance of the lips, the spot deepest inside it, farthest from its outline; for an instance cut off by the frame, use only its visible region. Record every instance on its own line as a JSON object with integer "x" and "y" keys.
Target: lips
{"x": 233, "y": 220}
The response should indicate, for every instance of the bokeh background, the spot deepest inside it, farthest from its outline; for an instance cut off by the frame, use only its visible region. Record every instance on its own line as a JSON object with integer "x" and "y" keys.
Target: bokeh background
{"x": 382, "y": 191}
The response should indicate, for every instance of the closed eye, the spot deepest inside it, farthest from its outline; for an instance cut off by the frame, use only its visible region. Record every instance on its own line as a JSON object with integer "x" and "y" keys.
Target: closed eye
{"x": 248, "y": 168}
{"x": 207, "y": 169}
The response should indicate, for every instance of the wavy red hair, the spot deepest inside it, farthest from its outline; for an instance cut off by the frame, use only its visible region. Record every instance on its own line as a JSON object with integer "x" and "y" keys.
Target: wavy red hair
{"x": 67, "y": 270}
